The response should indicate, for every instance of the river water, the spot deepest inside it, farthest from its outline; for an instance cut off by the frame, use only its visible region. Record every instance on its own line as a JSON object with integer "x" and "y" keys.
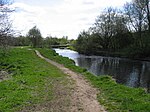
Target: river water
{"x": 129, "y": 72}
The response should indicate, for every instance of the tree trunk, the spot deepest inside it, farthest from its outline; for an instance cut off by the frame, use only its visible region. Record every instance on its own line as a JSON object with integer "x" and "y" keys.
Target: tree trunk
{"x": 148, "y": 14}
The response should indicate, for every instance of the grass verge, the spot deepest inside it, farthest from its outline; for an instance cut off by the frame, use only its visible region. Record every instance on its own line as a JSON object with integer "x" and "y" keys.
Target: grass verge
{"x": 32, "y": 81}
{"x": 115, "y": 97}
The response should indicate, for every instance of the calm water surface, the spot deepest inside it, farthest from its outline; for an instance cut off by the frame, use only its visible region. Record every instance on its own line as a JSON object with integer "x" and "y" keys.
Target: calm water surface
{"x": 129, "y": 72}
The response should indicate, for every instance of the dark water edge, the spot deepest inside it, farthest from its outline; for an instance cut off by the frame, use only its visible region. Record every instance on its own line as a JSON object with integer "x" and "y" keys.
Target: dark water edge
{"x": 132, "y": 73}
{"x": 116, "y": 54}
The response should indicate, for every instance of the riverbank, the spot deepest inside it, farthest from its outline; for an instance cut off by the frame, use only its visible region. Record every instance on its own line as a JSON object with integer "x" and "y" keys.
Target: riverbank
{"x": 114, "y": 97}
{"x": 122, "y": 54}
{"x": 41, "y": 85}
{"x": 84, "y": 96}
{"x": 30, "y": 84}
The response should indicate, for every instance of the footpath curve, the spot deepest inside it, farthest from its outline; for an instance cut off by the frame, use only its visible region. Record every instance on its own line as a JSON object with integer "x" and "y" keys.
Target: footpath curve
{"x": 84, "y": 94}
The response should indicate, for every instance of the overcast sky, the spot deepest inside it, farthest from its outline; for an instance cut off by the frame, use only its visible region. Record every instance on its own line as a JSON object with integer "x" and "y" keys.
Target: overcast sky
{"x": 59, "y": 17}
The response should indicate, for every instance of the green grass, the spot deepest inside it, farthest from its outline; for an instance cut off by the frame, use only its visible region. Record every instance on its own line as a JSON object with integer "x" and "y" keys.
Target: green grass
{"x": 62, "y": 60}
{"x": 30, "y": 78}
{"x": 115, "y": 97}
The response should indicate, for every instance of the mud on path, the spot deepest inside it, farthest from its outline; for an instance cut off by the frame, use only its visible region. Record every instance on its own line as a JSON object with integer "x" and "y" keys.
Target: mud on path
{"x": 83, "y": 97}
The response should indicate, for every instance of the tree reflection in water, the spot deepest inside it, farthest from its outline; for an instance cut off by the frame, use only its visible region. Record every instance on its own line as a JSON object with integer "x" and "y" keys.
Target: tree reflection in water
{"x": 129, "y": 72}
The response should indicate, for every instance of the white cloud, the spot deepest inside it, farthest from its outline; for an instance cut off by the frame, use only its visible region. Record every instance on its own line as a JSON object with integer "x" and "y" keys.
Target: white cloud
{"x": 67, "y": 18}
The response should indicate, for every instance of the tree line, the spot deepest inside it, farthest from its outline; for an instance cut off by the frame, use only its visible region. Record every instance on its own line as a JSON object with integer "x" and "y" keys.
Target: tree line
{"x": 124, "y": 31}
{"x": 35, "y": 39}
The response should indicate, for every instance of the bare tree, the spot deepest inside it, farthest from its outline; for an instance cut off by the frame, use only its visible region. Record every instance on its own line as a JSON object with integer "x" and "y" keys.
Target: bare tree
{"x": 147, "y": 10}
{"x": 5, "y": 24}
{"x": 110, "y": 23}
{"x": 104, "y": 26}
{"x": 135, "y": 12}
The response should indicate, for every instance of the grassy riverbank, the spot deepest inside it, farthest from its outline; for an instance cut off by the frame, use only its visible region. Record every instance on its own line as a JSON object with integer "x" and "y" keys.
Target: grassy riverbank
{"x": 28, "y": 81}
{"x": 115, "y": 97}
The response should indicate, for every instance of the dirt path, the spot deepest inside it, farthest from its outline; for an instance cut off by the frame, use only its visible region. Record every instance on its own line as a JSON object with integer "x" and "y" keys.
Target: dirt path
{"x": 84, "y": 97}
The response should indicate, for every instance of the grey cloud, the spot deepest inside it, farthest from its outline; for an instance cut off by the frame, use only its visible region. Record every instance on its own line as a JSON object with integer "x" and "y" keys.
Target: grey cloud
{"x": 83, "y": 19}
{"x": 88, "y": 3}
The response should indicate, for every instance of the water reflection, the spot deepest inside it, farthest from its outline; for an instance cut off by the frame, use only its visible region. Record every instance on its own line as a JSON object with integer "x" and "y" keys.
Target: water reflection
{"x": 129, "y": 72}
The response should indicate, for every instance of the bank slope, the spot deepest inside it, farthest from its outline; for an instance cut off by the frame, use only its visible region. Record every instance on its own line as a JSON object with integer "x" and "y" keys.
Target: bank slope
{"x": 33, "y": 84}
{"x": 115, "y": 97}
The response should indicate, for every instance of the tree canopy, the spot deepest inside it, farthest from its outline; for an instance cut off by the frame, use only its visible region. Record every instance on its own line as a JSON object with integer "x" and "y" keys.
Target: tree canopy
{"x": 119, "y": 30}
{"x": 35, "y": 36}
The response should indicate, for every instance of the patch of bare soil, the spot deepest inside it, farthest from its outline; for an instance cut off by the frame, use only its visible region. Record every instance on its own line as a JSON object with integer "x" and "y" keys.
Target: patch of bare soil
{"x": 80, "y": 97}
{"x": 60, "y": 102}
{"x": 3, "y": 75}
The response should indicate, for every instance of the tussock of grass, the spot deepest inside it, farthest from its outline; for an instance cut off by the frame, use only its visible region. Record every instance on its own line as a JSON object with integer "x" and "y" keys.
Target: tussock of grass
{"x": 115, "y": 97}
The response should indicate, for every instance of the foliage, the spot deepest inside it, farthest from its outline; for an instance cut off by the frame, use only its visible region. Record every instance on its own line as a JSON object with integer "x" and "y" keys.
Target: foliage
{"x": 48, "y": 41}
{"x": 115, "y": 30}
{"x": 35, "y": 36}
{"x": 21, "y": 41}
{"x": 115, "y": 97}
{"x": 88, "y": 44}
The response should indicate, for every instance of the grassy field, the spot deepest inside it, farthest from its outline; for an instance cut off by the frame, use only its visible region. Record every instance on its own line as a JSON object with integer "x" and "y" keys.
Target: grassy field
{"x": 115, "y": 97}
{"x": 30, "y": 80}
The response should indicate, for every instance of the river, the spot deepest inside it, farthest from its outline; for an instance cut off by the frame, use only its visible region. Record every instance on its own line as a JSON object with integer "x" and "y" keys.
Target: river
{"x": 132, "y": 73}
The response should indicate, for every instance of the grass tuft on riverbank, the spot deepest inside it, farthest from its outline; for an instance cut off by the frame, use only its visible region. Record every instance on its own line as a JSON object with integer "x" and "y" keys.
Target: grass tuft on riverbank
{"x": 115, "y": 97}
{"x": 32, "y": 81}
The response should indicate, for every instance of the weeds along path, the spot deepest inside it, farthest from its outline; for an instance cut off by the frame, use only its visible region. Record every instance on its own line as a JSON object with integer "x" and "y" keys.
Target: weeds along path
{"x": 84, "y": 97}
